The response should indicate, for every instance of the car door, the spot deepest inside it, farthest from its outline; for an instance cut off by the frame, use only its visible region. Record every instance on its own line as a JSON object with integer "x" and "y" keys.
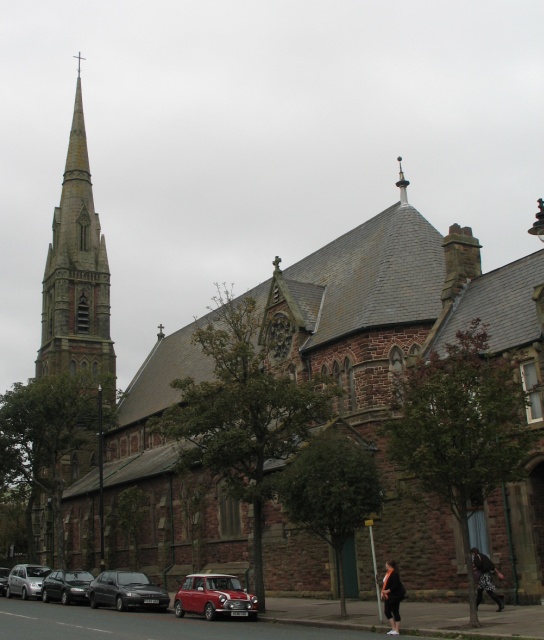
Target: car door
{"x": 14, "y": 581}
{"x": 199, "y": 595}
{"x": 110, "y": 589}
{"x": 100, "y": 587}
{"x": 53, "y": 589}
{"x": 188, "y": 595}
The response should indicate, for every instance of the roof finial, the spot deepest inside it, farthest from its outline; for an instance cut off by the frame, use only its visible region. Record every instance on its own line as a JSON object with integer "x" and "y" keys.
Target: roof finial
{"x": 79, "y": 59}
{"x": 276, "y": 264}
{"x": 402, "y": 184}
{"x": 160, "y": 335}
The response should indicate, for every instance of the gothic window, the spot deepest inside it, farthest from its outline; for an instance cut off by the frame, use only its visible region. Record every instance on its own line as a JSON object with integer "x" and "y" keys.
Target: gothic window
{"x": 337, "y": 376}
{"x": 477, "y": 524}
{"x": 92, "y": 460}
{"x": 83, "y": 313}
{"x": 95, "y": 370}
{"x": 350, "y": 379}
{"x": 229, "y": 514}
{"x": 84, "y": 223}
{"x": 292, "y": 370}
{"x": 530, "y": 386}
{"x": 74, "y": 466}
{"x": 414, "y": 350}
{"x": 396, "y": 368}
{"x": 73, "y": 367}
{"x": 280, "y": 336}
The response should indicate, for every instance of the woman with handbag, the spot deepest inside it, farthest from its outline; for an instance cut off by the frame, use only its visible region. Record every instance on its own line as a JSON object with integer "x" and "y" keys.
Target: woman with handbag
{"x": 484, "y": 569}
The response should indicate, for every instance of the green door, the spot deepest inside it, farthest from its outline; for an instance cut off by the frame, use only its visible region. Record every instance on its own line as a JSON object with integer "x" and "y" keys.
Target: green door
{"x": 349, "y": 564}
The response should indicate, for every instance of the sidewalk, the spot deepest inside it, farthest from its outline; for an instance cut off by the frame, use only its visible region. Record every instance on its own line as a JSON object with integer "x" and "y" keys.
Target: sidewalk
{"x": 418, "y": 618}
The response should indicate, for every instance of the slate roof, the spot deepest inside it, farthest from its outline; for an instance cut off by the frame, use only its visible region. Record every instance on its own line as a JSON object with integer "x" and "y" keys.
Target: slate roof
{"x": 387, "y": 271}
{"x": 151, "y": 462}
{"x": 502, "y": 299}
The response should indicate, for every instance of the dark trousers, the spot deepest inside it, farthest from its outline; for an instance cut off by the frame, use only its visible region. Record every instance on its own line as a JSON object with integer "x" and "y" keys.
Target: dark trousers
{"x": 391, "y": 610}
{"x": 491, "y": 594}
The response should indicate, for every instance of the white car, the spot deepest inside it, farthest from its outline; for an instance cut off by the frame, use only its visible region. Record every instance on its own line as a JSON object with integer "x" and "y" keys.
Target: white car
{"x": 26, "y": 580}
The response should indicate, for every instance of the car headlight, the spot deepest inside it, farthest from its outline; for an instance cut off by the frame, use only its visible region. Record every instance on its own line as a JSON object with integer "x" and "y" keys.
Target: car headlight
{"x": 254, "y": 599}
{"x": 34, "y": 585}
{"x": 131, "y": 594}
{"x": 76, "y": 590}
{"x": 222, "y": 598}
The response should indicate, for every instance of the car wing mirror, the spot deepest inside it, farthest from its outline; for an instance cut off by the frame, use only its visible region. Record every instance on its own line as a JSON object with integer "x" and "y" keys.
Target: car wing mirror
{"x": 200, "y": 588}
{"x": 112, "y": 582}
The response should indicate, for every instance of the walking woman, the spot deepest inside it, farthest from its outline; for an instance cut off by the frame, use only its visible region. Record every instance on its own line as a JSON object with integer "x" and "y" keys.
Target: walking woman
{"x": 484, "y": 569}
{"x": 392, "y": 594}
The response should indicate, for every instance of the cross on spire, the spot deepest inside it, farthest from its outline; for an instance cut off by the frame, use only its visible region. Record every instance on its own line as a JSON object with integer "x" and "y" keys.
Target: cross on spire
{"x": 276, "y": 263}
{"x": 79, "y": 59}
{"x": 160, "y": 335}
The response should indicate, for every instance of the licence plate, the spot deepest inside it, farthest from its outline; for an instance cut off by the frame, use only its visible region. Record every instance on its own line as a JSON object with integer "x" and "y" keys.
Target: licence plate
{"x": 239, "y": 614}
{"x": 151, "y": 602}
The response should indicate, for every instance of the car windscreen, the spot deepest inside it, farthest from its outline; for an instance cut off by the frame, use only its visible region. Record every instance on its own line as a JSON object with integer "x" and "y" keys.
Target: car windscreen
{"x": 37, "y": 572}
{"x": 231, "y": 584}
{"x": 133, "y": 578}
{"x": 84, "y": 576}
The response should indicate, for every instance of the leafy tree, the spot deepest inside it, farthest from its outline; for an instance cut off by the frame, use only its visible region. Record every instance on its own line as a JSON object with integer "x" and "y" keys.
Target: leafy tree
{"x": 247, "y": 415}
{"x": 462, "y": 431}
{"x": 130, "y": 518}
{"x": 40, "y": 423}
{"x": 329, "y": 489}
{"x": 12, "y": 522}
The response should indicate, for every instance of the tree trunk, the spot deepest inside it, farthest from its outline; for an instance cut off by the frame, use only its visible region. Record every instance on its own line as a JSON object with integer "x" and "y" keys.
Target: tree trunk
{"x": 59, "y": 527}
{"x": 31, "y": 554}
{"x": 258, "y": 552}
{"x": 474, "y": 621}
{"x": 341, "y": 588}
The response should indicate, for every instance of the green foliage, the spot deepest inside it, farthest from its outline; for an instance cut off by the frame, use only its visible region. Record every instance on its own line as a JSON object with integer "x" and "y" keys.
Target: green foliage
{"x": 129, "y": 512}
{"x": 12, "y": 522}
{"x": 247, "y": 415}
{"x": 463, "y": 430}
{"x": 331, "y": 487}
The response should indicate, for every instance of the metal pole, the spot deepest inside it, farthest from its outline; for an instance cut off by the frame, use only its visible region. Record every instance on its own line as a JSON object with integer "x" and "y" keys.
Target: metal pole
{"x": 101, "y": 479}
{"x": 375, "y": 573}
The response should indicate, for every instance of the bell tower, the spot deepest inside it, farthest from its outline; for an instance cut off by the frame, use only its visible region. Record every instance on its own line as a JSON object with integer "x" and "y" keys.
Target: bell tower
{"x": 76, "y": 282}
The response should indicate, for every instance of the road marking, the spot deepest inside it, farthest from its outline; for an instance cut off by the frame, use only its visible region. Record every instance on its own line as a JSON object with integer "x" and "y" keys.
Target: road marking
{"x": 78, "y": 626}
{"x": 17, "y": 615}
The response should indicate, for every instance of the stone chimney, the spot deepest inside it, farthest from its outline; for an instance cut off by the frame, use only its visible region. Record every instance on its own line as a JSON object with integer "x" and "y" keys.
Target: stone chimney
{"x": 463, "y": 262}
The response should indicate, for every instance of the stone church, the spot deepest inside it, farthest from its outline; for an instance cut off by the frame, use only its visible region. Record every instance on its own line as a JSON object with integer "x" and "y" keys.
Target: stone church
{"x": 356, "y": 309}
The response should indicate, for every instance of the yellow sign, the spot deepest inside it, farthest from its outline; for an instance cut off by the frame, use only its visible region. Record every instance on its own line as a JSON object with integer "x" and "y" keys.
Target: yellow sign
{"x": 369, "y": 523}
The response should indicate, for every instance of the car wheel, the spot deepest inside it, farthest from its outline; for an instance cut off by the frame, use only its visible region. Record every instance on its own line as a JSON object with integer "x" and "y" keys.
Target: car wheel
{"x": 93, "y": 602}
{"x": 178, "y": 609}
{"x": 8, "y": 593}
{"x": 119, "y": 604}
{"x": 65, "y": 598}
{"x": 209, "y": 612}
{"x": 24, "y": 594}
{"x": 45, "y": 596}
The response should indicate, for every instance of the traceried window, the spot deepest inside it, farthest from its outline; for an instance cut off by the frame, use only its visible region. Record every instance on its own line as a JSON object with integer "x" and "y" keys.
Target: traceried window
{"x": 280, "y": 336}
{"x": 83, "y": 313}
{"x": 396, "y": 361}
{"x": 477, "y": 524}
{"x": 229, "y": 514}
{"x": 530, "y": 385}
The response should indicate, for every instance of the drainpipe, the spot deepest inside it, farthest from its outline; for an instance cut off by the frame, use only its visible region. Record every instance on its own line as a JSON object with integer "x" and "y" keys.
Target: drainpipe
{"x": 166, "y": 570}
{"x": 506, "y": 507}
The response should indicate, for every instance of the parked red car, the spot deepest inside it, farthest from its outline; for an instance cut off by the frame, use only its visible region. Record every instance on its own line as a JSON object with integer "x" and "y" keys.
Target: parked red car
{"x": 213, "y": 595}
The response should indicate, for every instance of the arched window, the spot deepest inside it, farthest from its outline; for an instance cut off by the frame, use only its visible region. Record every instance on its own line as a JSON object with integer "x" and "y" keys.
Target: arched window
{"x": 292, "y": 370}
{"x": 351, "y": 399}
{"x": 74, "y": 466}
{"x": 338, "y": 379}
{"x": 229, "y": 513}
{"x": 95, "y": 370}
{"x": 73, "y": 367}
{"x": 92, "y": 460}
{"x": 396, "y": 368}
{"x": 414, "y": 350}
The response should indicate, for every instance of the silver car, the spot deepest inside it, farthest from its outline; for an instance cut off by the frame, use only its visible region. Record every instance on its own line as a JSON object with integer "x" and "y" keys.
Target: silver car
{"x": 26, "y": 580}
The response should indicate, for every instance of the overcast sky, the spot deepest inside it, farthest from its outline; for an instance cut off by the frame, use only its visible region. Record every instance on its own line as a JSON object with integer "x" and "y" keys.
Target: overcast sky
{"x": 224, "y": 132}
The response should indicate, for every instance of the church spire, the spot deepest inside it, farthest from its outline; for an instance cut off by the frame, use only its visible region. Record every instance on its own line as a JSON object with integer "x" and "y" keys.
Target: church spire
{"x": 77, "y": 160}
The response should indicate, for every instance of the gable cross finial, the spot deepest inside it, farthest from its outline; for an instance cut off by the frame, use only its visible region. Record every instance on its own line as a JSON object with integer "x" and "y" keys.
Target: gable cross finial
{"x": 79, "y": 59}
{"x": 276, "y": 264}
{"x": 160, "y": 335}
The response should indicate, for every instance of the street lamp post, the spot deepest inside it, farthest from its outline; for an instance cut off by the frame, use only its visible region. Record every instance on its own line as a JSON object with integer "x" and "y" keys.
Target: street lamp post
{"x": 101, "y": 479}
